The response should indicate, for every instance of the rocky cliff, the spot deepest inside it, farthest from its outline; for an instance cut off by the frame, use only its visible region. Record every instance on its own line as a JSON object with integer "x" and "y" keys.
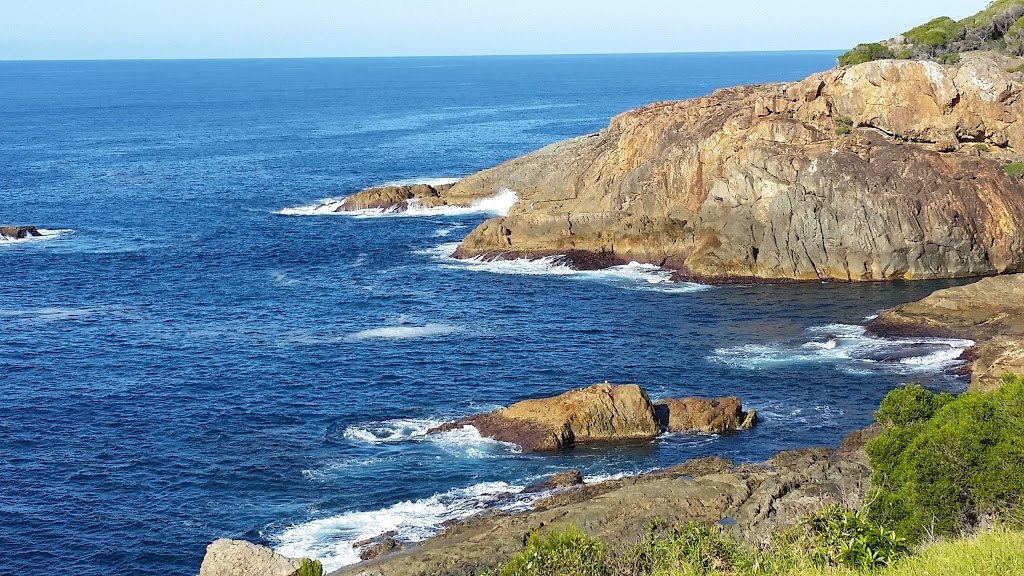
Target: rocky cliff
{"x": 990, "y": 312}
{"x": 884, "y": 170}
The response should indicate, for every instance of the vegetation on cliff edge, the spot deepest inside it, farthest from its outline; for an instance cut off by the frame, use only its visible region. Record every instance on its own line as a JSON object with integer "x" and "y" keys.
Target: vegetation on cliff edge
{"x": 999, "y": 27}
{"x": 943, "y": 467}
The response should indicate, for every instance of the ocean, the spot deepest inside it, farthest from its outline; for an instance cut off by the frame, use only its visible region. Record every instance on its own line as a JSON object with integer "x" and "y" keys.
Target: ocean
{"x": 193, "y": 351}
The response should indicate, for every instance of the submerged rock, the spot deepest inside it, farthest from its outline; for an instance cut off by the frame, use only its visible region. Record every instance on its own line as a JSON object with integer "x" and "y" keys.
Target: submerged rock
{"x": 380, "y": 546}
{"x": 238, "y": 558}
{"x": 600, "y": 413}
{"x": 564, "y": 479}
{"x": 885, "y": 170}
{"x": 989, "y": 312}
{"x": 704, "y": 415}
{"x": 19, "y": 232}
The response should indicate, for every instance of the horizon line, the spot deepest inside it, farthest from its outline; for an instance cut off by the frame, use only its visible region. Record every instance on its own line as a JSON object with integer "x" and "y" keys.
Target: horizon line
{"x": 385, "y": 57}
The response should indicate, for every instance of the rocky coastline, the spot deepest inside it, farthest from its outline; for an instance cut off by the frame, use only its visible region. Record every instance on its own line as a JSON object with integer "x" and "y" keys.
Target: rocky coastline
{"x": 19, "y": 232}
{"x": 887, "y": 170}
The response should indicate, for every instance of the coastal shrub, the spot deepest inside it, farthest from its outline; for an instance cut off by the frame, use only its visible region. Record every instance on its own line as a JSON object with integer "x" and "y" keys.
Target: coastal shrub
{"x": 310, "y": 568}
{"x": 982, "y": 147}
{"x": 945, "y": 466}
{"x": 936, "y": 33}
{"x": 838, "y": 537}
{"x": 566, "y": 552}
{"x": 693, "y": 549}
{"x": 865, "y": 53}
{"x": 844, "y": 125}
{"x": 1014, "y": 169}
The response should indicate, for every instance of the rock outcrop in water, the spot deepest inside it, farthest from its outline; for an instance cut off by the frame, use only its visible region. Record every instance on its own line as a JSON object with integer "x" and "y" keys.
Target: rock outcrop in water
{"x": 603, "y": 413}
{"x": 19, "y": 232}
{"x": 750, "y": 501}
{"x": 399, "y": 198}
{"x": 885, "y": 170}
{"x": 239, "y": 558}
{"x": 990, "y": 312}
{"x": 704, "y": 415}
{"x": 600, "y": 413}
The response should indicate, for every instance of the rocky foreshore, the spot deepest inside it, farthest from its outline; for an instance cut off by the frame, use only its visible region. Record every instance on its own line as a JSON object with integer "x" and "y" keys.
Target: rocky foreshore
{"x": 881, "y": 171}
{"x": 750, "y": 501}
{"x": 989, "y": 312}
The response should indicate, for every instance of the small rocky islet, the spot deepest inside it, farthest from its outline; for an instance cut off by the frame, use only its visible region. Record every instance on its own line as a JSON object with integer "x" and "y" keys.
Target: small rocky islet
{"x": 884, "y": 169}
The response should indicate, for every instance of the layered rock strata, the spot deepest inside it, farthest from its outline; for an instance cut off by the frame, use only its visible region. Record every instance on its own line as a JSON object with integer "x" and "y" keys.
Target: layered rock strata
{"x": 990, "y": 312}
{"x": 886, "y": 170}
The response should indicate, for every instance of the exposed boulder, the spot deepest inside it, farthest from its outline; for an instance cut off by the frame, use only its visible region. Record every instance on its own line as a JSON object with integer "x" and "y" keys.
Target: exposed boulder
{"x": 380, "y": 546}
{"x": 564, "y": 479}
{"x": 704, "y": 415}
{"x": 19, "y": 232}
{"x": 600, "y": 413}
{"x": 395, "y": 198}
{"x": 990, "y": 312}
{"x": 238, "y": 558}
{"x": 841, "y": 176}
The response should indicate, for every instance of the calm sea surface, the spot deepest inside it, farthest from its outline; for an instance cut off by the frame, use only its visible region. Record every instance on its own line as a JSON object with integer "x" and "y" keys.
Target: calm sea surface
{"x": 183, "y": 358}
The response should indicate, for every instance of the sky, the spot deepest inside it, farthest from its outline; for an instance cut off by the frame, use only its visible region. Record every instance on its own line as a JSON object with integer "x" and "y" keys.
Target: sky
{"x": 104, "y": 29}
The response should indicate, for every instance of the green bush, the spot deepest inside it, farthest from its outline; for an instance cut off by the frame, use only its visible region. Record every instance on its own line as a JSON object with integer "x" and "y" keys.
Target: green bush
{"x": 838, "y": 537}
{"x": 936, "y": 33}
{"x": 566, "y": 552}
{"x": 693, "y": 549}
{"x": 865, "y": 53}
{"x": 310, "y": 568}
{"x": 1014, "y": 169}
{"x": 943, "y": 466}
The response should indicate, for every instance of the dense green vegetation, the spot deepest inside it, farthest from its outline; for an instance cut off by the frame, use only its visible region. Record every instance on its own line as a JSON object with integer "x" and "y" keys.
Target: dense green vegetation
{"x": 1000, "y": 27}
{"x": 310, "y": 568}
{"x": 943, "y": 467}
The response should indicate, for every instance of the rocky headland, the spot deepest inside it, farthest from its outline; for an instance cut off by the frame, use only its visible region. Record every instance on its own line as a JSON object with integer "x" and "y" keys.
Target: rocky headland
{"x": 885, "y": 170}
{"x": 603, "y": 413}
{"x": 990, "y": 312}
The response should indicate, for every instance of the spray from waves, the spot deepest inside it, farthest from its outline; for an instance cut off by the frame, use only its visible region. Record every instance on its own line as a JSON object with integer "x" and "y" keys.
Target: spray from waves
{"x": 850, "y": 348}
{"x": 406, "y": 332}
{"x": 46, "y": 235}
{"x": 332, "y": 540}
{"x": 498, "y": 205}
{"x": 466, "y": 441}
{"x": 633, "y": 276}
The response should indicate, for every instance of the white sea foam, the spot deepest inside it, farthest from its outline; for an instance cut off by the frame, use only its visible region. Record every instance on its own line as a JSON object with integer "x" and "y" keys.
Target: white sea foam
{"x": 406, "y": 332}
{"x": 331, "y": 539}
{"x": 632, "y": 276}
{"x": 849, "y": 347}
{"x": 465, "y": 442}
{"x": 498, "y": 205}
{"x": 47, "y": 314}
{"x": 46, "y": 235}
{"x": 390, "y": 431}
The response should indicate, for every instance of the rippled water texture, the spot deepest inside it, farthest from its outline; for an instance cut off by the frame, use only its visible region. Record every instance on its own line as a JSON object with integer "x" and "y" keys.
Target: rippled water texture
{"x": 195, "y": 352}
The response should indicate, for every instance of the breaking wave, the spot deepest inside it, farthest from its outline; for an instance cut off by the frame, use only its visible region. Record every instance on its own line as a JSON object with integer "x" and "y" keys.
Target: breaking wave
{"x": 850, "y": 348}
{"x": 46, "y": 235}
{"x": 633, "y": 276}
{"x": 498, "y": 205}
{"x": 406, "y": 332}
{"x": 332, "y": 540}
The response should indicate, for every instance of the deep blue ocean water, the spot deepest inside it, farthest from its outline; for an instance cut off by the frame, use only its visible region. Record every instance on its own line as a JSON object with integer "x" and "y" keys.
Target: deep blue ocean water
{"x": 181, "y": 361}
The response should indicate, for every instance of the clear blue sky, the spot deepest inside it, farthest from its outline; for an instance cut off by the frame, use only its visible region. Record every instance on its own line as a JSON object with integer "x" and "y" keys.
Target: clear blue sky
{"x": 69, "y": 29}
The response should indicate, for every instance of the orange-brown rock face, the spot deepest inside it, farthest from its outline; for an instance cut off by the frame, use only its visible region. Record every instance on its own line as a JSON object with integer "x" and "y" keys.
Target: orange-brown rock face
{"x": 863, "y": 173}
{"x": 704, "y": 415}
{"x": 600, "y": 413}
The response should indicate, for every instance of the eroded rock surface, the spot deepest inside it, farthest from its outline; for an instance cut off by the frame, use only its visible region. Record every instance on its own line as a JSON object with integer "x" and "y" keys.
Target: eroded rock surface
{"x": 600, "y": 413}
{"x": 238, "y": 558}
{"x": 704, "y": 415}
{"x": 751, "y": 501}
{"x": 396, "y": 198}
{"x": 862, "y": 173}
{"x": 990, "y": 312}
